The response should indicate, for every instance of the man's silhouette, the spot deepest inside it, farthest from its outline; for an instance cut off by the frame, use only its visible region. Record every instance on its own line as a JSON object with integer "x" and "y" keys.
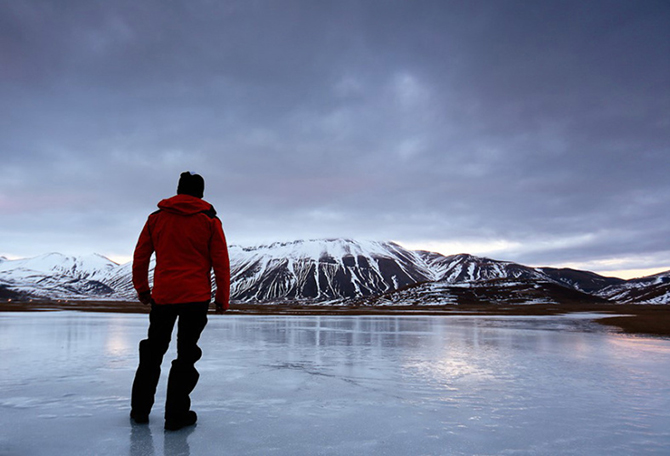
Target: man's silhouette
{"x": 188, "y": 240}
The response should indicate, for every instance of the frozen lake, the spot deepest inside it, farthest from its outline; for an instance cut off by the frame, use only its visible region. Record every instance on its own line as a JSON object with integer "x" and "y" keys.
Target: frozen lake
{"x": 296, "y": 385}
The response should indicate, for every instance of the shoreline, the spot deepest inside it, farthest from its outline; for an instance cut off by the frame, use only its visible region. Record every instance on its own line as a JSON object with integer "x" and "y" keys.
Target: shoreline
{"x": 638, "y": 319}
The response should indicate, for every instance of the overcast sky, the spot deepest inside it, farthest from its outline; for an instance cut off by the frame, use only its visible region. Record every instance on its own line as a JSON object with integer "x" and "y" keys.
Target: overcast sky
{"x": 531, "y": 131}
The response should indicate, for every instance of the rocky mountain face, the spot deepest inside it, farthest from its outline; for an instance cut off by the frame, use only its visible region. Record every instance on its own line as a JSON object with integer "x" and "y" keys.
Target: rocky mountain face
{"x": 339, "y": 270}
{"x": 322, "y": 270}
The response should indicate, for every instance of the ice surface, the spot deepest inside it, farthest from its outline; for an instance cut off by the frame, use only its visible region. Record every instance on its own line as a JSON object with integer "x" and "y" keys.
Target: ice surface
{"x": 296, "y": 385}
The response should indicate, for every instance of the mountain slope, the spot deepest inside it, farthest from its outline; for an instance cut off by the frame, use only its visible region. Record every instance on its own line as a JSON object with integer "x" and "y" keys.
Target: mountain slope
{"x": 588, "y": 282}
{"x": 654, "y": 289}
{"x": 469, "y": 268}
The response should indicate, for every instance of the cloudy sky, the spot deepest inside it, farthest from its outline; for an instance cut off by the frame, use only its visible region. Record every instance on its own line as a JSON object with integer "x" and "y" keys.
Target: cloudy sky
{"x": 530, "y": 131}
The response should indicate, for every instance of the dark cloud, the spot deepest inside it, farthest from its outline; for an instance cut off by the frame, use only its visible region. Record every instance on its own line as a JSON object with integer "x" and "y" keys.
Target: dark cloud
{"x": 540, "y": 129}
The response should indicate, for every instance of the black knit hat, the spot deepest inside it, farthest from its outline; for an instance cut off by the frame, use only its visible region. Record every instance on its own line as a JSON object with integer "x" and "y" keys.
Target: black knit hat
{"x": 191, "y": 184}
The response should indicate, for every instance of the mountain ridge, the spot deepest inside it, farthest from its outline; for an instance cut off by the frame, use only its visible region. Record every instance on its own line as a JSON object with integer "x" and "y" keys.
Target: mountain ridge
{"x": 335, "y": 270}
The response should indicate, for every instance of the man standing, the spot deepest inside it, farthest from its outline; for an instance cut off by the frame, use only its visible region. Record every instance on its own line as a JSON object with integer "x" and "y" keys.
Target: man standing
{"x": 189, "y": 242}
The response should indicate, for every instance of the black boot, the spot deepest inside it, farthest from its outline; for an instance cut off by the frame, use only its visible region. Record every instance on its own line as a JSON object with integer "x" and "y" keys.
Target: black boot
{"x": 139, "y": 418}
{"x": 181, "y": 382}
{"x": 176, "y": 423}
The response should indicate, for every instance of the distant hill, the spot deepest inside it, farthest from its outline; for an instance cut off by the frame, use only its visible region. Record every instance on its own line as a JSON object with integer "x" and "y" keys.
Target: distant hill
{"x": 588, "y": 282}
{"x": 493, "y": 291}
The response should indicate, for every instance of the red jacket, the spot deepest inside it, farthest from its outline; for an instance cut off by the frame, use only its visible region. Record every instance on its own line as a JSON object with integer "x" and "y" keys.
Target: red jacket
{"x": 189, "y": 242}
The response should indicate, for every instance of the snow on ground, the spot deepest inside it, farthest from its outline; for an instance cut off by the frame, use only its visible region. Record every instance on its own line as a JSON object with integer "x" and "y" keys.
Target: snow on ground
{"x": 310, "y": 385}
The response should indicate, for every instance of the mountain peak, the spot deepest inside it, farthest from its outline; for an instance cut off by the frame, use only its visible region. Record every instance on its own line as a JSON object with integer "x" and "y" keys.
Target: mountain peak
{"x": 316, "y": 249}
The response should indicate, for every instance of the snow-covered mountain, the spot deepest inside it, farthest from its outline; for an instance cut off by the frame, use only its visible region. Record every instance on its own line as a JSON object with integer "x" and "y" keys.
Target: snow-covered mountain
{"x": 469, "y": 268}
{"x": 335, "y": 270}
{"x": 322, "y": 270}
{"x": 654, "y": 289}
{"x": 59, "y": 276}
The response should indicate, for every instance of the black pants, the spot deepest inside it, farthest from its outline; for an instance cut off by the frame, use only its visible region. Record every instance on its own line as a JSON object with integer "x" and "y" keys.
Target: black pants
{"x": 183, "y": 375}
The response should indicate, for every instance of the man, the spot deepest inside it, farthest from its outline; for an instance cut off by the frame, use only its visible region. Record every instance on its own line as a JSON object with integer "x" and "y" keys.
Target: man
{"x": 189, "y": 242}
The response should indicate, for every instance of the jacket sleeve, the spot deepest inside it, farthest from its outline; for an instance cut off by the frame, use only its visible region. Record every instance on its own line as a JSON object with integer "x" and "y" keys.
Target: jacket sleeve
{"x": 143, "y": 251}
{"x": 221, "y": 263}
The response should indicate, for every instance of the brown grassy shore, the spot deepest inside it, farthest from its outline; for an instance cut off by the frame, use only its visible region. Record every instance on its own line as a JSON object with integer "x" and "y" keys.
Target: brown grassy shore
{"x": 653, "y": 320}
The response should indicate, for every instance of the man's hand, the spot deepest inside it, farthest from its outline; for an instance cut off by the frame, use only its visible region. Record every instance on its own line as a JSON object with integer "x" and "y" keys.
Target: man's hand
{"x": 220, "y": 307}
{"x": 145, "y": 298}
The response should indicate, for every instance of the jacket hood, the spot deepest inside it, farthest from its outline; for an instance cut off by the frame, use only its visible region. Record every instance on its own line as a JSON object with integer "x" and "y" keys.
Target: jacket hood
{"x": 184, "y": 204}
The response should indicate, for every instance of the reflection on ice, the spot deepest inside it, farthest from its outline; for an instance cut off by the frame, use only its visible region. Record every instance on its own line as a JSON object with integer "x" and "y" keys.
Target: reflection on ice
{"x": 341, "y": 385}
{"x": 174, "y": 443}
